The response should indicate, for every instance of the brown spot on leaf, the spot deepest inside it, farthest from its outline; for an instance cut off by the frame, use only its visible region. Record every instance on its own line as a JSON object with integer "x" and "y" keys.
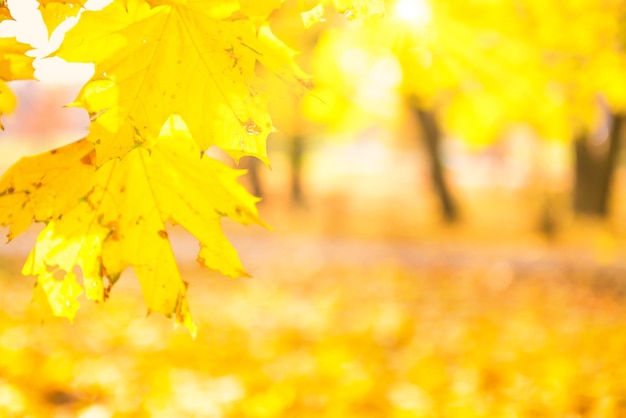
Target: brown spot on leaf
{"x": 113, "y": 230}
{"x": 251, "y": 127}
{"x": 162, "y": 234}
{"x": 180, "y": 299}
{"x": 307, "y": 83}
{"x": 250, "y": 48}
{"x": 108, "y": 281}
{"x": 90, "y": 158}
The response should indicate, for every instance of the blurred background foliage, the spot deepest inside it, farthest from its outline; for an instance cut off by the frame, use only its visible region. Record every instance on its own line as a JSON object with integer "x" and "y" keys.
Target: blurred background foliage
{"x": 471, "y": 79}
{"x": 450, "y": 221}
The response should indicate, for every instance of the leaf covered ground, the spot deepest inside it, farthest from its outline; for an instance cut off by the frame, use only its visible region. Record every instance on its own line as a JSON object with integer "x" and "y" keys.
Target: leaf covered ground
{"x": 332, "y": 326}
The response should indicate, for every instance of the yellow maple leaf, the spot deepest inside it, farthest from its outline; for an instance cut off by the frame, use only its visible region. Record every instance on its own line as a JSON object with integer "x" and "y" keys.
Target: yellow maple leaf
{"x": 14, "y": 65}
{"x": 35, "y": 189}
{"x": 153, "y": 59}
{"x": 107, "y": 219}
{"x": 55, "y": 12}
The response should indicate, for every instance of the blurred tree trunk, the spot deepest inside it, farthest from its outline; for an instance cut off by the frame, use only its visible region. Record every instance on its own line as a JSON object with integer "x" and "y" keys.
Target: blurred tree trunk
{"x": 296, "y": 158}
{"x": 594, "y": 168}
{"x": 432, "y": 140}
{"x": 549, "y": 217}
{"x": 252, "y": 165}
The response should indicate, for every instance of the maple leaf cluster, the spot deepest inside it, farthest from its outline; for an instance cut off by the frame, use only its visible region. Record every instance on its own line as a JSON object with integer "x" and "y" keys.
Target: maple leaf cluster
{"x": 172, "y": 78}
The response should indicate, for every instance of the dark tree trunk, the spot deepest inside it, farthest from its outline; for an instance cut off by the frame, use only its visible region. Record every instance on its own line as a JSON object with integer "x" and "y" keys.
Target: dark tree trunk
{"x": 252, "y": 165}
{"x": 296, "y": 157}
{"x": 432, "y": 140}
{"x": 595, "y": 165}
{"x": 549, "y": 217}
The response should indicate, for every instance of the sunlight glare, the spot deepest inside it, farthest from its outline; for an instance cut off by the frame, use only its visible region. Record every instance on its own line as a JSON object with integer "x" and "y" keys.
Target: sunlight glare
{"x": 416, "y": 12}
{"x": 354, "y": 61}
